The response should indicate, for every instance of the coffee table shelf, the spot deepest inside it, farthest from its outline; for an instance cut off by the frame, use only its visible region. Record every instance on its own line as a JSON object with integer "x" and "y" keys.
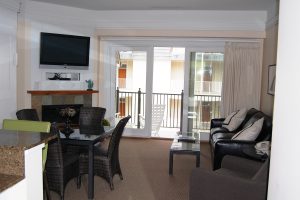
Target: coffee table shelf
{"x": 184, "y": 147}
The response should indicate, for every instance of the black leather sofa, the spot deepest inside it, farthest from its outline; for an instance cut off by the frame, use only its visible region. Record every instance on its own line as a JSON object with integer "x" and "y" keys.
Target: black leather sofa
{"x": 220, "y": 138}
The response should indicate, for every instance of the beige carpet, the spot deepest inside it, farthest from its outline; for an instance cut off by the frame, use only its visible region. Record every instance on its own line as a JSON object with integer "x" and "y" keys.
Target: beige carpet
{"x": 144, "y": 164}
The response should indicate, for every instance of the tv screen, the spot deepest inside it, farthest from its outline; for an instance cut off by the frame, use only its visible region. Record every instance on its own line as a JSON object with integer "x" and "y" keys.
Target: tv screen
{"x": 64, "y": 50}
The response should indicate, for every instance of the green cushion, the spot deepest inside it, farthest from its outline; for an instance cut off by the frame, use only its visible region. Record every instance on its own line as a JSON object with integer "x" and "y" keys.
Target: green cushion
{"x": 32, "y": 126}
{"x": 26, "y": 125}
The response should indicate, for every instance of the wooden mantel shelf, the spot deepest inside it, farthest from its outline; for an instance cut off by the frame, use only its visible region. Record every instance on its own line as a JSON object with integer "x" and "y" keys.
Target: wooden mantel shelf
{"x": 61, "y": 92}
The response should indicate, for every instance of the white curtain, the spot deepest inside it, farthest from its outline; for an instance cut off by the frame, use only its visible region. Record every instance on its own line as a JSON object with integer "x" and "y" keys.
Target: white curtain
{"x": 242, "y": 76}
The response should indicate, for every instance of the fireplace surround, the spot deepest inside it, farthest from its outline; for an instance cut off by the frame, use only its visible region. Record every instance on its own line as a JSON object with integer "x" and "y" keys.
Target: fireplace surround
{"x": 60, "y": 98}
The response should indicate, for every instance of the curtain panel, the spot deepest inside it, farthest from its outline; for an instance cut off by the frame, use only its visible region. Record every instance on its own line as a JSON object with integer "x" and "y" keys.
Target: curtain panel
{"x": 242, "y": 76}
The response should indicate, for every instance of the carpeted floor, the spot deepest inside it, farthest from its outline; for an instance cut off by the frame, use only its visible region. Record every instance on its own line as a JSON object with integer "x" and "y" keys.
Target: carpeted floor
{"x": 144, "y": 164}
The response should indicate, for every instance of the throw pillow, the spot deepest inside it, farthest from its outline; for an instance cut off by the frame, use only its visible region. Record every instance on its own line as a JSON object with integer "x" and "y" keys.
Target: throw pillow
{"x": 229, "y": 117}
{"x": 235, "y": 120}
{"x": 250, "y": 132}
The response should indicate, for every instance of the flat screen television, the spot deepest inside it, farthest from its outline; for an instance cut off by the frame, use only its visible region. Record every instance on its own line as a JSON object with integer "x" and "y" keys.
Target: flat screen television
{"x": 64, "y": 51}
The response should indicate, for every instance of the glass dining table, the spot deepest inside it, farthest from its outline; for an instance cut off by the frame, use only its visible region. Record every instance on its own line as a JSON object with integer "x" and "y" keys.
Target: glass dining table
{"x": 87, "y": 141}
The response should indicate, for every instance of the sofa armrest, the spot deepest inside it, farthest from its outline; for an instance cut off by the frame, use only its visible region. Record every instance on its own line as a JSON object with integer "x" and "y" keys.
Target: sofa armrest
{"x": 250, "y": 167}
{"x": 216, "y": 122}
{"x": 230, "y": 147}
{"x": 207, "y": 185}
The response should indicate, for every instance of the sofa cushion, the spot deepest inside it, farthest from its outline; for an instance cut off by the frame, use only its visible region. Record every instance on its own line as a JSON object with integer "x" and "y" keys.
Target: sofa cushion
{"x": 234, "y": 120}
{"x": 250, "y": 132}
{"x": 218, "y": 130}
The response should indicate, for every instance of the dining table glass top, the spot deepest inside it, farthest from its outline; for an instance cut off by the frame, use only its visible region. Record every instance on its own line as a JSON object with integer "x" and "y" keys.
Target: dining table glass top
{"x": 88, "y": 137}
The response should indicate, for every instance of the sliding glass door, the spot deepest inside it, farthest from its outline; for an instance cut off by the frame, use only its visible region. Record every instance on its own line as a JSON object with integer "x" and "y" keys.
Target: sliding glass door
{"x": 168, "y": 83}
{"x": 166, "y": 86}
{"x": 204, "y": 89}
{"x": 131, "y": 88}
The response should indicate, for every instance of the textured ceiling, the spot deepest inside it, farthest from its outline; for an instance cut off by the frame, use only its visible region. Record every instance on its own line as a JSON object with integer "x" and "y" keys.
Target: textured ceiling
{"x": 166, "y": 4}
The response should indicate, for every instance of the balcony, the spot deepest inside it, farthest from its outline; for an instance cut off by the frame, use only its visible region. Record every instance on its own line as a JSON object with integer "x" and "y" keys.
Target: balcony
{"x": 133, "y": 103}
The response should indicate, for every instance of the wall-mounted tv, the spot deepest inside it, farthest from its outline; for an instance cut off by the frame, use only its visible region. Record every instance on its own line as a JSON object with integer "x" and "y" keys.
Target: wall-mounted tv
{"x": 64, "y": 51}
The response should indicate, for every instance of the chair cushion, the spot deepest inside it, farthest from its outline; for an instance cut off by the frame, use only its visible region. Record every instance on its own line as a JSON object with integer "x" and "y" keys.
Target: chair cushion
{"x": 228, "y": 172}
{"x": 251, "y": 132}
{"x": 234, "y": 120}
{"x": 100, "y": 151}
{"x": 26, "y": 125}
{"x": 69, "y": 158}
{"x": 262, "y": 174}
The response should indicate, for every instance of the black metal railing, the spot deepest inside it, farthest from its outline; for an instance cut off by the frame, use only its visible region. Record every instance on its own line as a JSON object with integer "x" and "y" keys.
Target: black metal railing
{"x": 206, "y": 107}
{"x": 133, "y": 103}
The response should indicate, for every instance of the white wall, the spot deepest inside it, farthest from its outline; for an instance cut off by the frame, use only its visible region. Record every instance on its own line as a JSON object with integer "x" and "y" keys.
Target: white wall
{"x": 31, "y": 74}
{"x": 8, "y": 29}
{"x": 285, "y": 160}
{"x": 36, "y": 27}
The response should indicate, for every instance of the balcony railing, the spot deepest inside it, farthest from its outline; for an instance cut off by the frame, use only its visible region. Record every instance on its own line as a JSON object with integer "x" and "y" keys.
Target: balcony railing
{"x": 133, "y": 103}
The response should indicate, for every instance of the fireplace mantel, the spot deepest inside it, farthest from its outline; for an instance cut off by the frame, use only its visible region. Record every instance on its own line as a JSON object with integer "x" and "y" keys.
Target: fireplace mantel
{"x": 61, "y": 92}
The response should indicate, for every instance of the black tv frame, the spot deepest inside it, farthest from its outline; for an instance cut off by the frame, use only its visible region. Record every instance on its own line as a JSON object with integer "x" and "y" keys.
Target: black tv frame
{"x": 57, "y": 65}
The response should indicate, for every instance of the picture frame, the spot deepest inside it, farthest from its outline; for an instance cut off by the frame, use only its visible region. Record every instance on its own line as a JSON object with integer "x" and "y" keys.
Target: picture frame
{"x": 271, "y": 79}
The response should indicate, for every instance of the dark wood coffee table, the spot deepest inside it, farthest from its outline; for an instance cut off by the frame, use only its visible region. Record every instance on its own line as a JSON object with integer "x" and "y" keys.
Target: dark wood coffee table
{"x": 185, "y": 147}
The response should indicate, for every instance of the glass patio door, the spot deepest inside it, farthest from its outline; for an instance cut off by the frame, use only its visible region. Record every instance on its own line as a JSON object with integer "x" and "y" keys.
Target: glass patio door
{"x": 204, "y": 89}
{"x": 168, "y": 83}
{"x": 133, "y": 88}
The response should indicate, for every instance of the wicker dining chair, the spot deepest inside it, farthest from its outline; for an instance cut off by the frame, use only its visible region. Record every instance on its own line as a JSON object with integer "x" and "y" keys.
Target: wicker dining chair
{"x": 27, "y": 114}
{"x": 106, "y": 161}
{"x": 90, "y": 120}
{"x": 90, "y": 123}
{"x": 61, "y": 167}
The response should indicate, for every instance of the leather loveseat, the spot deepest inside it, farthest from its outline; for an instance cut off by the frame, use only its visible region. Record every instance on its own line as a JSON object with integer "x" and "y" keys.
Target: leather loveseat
{"x": 220, "y": 138}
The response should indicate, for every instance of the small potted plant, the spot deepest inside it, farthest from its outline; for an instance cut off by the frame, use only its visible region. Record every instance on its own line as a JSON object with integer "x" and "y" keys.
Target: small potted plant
{"x": 105, "y": 122}
{"x": 90, "y": 84}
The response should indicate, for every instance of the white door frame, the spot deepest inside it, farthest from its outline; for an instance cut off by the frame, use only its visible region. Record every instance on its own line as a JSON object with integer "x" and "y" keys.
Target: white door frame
{"x": 113, "y": 48}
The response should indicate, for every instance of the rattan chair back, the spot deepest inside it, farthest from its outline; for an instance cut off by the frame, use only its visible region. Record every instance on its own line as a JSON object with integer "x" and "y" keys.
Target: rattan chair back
{"x": 106, "y": 161}
{"x": 60, "y": 168}
{"x": 27, "y": 114}
{"x": 90, "y": 120}
{"x": 113, "y": 148}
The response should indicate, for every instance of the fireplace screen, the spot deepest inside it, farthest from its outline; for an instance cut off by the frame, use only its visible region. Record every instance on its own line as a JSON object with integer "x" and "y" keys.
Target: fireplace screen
{"x": 53, "y": 113}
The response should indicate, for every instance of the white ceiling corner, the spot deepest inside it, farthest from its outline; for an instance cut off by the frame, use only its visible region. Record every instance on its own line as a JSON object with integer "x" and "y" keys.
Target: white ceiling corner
{"x": 11, "y": 4}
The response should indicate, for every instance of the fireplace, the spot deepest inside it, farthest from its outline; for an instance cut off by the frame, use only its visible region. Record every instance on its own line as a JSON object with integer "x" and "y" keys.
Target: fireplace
{"x": 52, "y": 113}
{"x": 60, "y": 99}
